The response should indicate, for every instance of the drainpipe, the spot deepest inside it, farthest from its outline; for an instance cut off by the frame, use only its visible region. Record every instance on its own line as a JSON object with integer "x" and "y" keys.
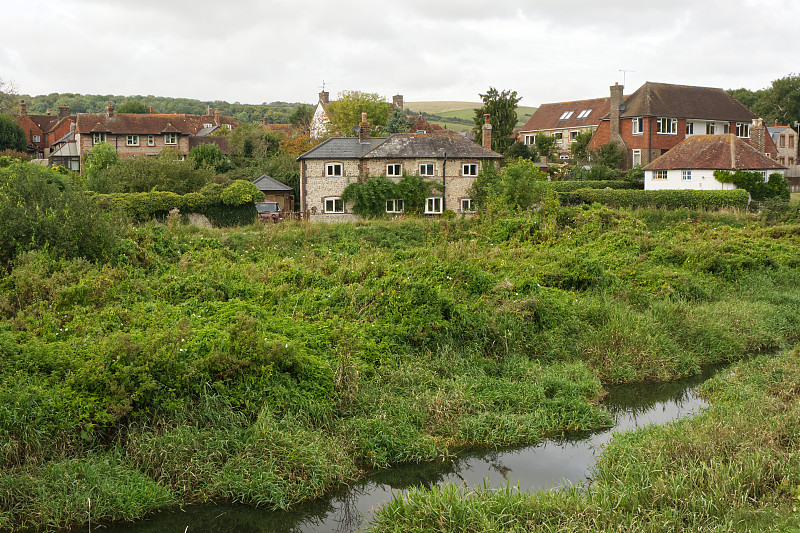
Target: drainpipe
{"x": 444, "y": 184}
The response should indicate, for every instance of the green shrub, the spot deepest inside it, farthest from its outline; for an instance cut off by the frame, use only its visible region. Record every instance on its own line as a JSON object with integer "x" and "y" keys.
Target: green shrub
{"x": 568, "y": 186}
{"x": 669, "y": 198}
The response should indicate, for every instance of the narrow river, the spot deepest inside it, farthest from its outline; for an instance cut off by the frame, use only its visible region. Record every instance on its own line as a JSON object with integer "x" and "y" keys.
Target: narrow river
{"x": 549, "y": 464}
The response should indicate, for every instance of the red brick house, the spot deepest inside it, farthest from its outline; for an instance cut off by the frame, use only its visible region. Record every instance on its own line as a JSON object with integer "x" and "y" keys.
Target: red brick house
{"x": 43, "y": 131}
{"x": 564, "y": 121}
{"x": 658, "y": 116}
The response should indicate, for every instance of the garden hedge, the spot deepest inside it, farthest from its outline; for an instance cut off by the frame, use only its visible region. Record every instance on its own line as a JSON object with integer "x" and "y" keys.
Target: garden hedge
{"x": 672, "y": 199}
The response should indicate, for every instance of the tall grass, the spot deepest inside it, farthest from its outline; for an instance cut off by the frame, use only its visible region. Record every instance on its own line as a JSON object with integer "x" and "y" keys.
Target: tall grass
{"x": 268, "y": 364}
{"x": 734, "y": 467}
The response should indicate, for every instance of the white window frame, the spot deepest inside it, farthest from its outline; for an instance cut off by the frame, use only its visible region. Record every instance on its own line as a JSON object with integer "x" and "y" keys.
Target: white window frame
{"x": 170, "y": 138}
{"x": 636, "y": 157}
{"x": 637, "y": 125}
{"x": 573, "y": 136}
{"x": 563, "y": 157}
{"x": 334, "y": 170}
{"x": 433, "y": 205}
{"x": 37, "y": 138}
{"x": 743, "y": 130}
{"x": 667, "y": 126}
{"x": 334, "y": 204}
{"x": 660, "y": 174}
{"x": 689, "y": 128}
{"x": 566, "y": 115}
{"x": 469, "y": 169}
{"x": 530, "y": 139}
{"x": 208, "y": 125}
{"x": 467, "y": 205}
{"x": 98, "y": 138}
{"x": 395, "y": 205}
{"x": 686, "y": 175}
{"x": 559, "y": 136}
{"x": 394, "y": 170}
{"x": 726, "y": 128}
{"x": 711, "y": 128}
{"x": 151, "y": 140}
{"x": 131, "y": 140}
{"x": 585, "y": 113}
{"x": 425, "y": 167}
{"x": 763, "y": 175}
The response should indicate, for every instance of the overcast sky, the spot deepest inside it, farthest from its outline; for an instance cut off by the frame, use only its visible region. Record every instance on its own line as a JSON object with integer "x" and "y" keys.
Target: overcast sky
{"x": 252, "y": 51}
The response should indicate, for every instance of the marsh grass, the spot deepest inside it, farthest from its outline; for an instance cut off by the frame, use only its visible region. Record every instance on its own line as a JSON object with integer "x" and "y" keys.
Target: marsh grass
{"x": 734, "y": 467}
{"x": 269, "y": 364}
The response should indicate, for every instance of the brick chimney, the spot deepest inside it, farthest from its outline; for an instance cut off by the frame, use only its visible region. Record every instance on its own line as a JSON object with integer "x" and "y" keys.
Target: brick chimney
{"x": 758, "y": 135}
{"x": 216, "y": 117}
{"x": 615, "y": 111}
{"x": 324, "y": 97}
{"x": 486, "y": 132}
{"x": 23, "y": 108}
{"x": 397, "y": 101}
{"x": 63, "y": 111}
{"x": 110, "y": 109}
{"x": 363, "y": 132}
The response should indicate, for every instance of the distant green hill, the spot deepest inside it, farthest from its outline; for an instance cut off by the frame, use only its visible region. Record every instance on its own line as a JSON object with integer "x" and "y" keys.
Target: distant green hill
{"x": 457, "y": 115}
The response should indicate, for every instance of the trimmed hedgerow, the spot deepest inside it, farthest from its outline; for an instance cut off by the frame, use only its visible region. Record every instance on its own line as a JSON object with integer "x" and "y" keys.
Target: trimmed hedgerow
{"x": 670, "y": 199}
{"x": 568, "y": 186}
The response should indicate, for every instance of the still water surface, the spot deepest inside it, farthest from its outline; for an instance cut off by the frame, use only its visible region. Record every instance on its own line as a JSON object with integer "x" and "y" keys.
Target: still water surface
{"x": 549, "y": 464}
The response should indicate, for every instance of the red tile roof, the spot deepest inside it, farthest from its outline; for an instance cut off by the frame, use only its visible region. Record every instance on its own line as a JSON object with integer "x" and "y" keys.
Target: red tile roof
{"x": 144, "y": 124}
{"x": 715, "y": 152}
{"x": 548, "y": 116}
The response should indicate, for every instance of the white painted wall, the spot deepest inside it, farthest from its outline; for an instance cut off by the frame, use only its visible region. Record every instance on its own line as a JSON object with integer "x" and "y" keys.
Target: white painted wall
{"x": 702, "y": 180}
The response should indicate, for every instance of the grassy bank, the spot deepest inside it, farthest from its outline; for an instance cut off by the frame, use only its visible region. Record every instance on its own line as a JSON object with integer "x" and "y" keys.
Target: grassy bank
{"x": 734, "y": 467}
{"x": 269, "y": 364}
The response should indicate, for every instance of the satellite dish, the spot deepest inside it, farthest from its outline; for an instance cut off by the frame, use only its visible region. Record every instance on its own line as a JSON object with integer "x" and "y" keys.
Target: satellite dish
{"x": 622, "y": 107}
{"x": 356, "y": 128}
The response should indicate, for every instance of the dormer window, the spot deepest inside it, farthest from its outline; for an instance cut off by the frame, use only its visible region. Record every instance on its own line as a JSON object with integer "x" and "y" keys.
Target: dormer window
{"x": 170, "y": 138}
{"x": 585, "y": 113}
{"x": 208, "y": 125}
{"x": 98, "y": 138}
{"x": 566, "y": 115}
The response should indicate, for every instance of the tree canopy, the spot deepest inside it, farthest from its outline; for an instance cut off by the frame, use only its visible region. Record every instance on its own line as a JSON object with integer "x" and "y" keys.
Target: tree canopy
{"x": 11, "y": 135}
{"x": 502, "y": 108}
{"x": 132, "y": 106}
{"x": 345, "y": 112}
{"x": 780, "y": 101}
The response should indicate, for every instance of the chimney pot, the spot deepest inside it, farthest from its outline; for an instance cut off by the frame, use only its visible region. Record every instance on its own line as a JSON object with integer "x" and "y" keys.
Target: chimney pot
{"x": 63, "y": 111}
{"x": 363, "y": 132}
{"x": 110, "y": 109}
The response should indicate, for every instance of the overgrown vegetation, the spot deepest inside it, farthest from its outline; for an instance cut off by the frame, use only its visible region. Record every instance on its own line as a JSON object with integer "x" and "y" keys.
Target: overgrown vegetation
{"x": 732, "y": 468}
{"x": 267, "y": 364}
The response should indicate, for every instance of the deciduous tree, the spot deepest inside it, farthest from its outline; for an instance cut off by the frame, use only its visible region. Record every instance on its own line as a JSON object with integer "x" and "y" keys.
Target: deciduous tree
{"x": 12, "y": 137}
{"x": 8, "y": 95}
{"x": 345, "y": 112}
{"x": 301, "y": 119}
{"x": 133, "y": 106}
{"x": 502, "y": 108}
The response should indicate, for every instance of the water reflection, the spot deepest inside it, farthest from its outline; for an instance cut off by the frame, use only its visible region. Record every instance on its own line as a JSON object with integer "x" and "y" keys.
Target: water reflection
{"x": 552, "y": 463}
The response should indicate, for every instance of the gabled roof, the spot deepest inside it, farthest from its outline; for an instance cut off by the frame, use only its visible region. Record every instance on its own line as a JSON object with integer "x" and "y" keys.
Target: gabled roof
{"x": 266, "y": 183}
{"x": 342, "y": 148}
{"x": 580, "y": 113}
{"x": 433, "y": 145}
{"x": 145, "y": 123}
{"x": 714, "y": 152}
{"x": 685, "y": 101}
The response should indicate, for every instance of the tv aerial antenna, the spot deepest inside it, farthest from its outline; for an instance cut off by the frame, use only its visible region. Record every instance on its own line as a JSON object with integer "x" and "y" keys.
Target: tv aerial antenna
{"x": 624, "y": 72}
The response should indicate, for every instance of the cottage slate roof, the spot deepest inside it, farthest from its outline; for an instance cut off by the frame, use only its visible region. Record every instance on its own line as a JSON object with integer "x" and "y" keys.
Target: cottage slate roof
{"x": 145, "y": 124}
{"x": 342, "y": 148}
{"x": 431, "y": 145}
{"x": 685, "y": 101}
{"x": 714, "y": 152}
{"x": 547, "y": 116}
{"x": 266, "y": 183}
